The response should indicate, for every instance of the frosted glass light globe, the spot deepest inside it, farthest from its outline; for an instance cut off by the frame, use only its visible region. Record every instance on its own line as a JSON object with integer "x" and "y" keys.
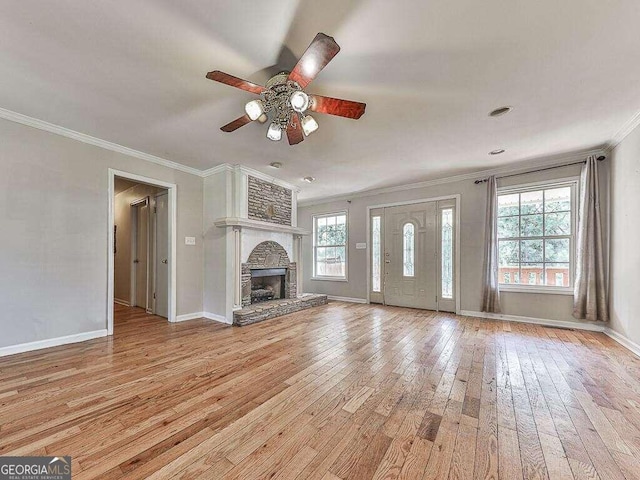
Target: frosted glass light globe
{"x": 299, "y": 101}
{"x": 254, "y": 109}
{"x": 309, "y": 125}
{"x": 274, "y": 133}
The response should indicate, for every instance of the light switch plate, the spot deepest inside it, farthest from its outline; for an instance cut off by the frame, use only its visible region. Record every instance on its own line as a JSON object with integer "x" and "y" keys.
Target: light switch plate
{"x": 361, "y": 246}
{"x": 189, "y": 240}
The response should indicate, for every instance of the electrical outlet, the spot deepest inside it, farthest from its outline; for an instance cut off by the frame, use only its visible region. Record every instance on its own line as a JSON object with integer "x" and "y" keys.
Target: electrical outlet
{"x": 189, "y": 240}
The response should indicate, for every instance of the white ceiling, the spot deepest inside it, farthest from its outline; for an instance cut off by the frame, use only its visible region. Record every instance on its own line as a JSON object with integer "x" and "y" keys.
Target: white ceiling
{"x": 133, "y": 73}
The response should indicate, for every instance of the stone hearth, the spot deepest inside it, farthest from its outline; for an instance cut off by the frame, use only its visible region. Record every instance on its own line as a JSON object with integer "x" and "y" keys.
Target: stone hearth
{"x": 276, "y": 308}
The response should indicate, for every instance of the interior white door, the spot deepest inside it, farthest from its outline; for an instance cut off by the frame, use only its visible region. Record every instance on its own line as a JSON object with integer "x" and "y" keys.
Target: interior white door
{"x": 162, "y": 255}
{"x": 141, "y": 257}
{"x": 410, "y": 263}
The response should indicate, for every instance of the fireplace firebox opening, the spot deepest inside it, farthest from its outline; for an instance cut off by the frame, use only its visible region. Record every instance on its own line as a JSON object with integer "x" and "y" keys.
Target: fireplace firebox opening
{"x": 268, "y": 284}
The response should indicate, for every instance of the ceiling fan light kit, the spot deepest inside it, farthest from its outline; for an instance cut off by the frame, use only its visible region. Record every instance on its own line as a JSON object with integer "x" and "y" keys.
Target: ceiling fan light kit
{"x": 255, "y": 109}
{"x": 274, "y": 132}
{"x": 284, "y": 101}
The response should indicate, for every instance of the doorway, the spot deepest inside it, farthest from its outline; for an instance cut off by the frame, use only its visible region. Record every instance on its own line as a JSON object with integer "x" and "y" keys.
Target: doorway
{"x": 414, "y": 254}
{"x": 138, "y": 263}
{"x": 142, "y": 245}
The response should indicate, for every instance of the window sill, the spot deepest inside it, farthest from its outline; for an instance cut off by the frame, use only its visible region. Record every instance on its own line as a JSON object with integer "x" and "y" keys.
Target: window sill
{"x": 330, "y": 279}
{"x": 544, "y": 291}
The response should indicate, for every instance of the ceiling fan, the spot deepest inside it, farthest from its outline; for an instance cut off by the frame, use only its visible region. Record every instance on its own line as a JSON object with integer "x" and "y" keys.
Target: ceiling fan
{"x": 284, "y": 100}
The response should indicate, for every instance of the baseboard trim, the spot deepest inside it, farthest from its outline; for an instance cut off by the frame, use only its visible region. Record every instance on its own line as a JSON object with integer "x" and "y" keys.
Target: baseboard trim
{"x": 189, "y": 316}
{"x": 217, "y": 318}
{"x": 121, "y": 302}
{"x": 51, "y": 342}
{"x": 347, "y": 299}
{"x": 537, "y": 321}
{"x": 207, "y": 315}
{"x": 622, "y": 340}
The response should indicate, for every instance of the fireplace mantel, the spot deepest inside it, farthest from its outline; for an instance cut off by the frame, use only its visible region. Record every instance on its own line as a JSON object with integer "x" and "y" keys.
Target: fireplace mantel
{"x": 258, "y": 225}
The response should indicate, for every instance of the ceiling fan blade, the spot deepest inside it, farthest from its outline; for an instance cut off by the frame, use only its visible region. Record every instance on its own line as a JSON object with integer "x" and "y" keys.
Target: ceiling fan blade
{"x": 337, "y": 106}
{"x": 227, "y": 79}
{"x": 294, "y": 131}
{"x": 236, "y": 124}
{"x": 320, "y": 52}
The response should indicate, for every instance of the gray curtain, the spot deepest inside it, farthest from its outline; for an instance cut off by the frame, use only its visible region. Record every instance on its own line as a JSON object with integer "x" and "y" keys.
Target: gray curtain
{"x": 491, "y": 288}
{"x": 590, "y": 294}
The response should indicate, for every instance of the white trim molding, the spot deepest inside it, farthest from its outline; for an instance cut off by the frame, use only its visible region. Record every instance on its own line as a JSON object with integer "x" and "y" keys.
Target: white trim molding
{"x": 51, "y": 342}
{"x": 121, "y": 302}
{"x": 592, "y": 327}
{"x": 96, "y": 142}
{"x": 173, "y": 239}
{"x": 522, "y": 166}
{"x": 626, "y": 129}
{"x": 196, "y": 315}
{"x": 217, "y": 318}
{"x": 622, "y": 340}
{"x": 347, "y": 299}
{"x": 189, "y": 316}
{"x": 259, "y": 225}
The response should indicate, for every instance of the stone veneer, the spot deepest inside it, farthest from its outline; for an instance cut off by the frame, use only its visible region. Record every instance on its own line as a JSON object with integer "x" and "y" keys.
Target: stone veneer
{"x": 276, "y": 308}
{"x": 269, "y": 255}
{"x": 268, "y": 202}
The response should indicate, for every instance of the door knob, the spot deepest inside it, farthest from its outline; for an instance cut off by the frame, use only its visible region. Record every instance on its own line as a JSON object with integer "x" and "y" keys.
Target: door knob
{"x": 165, "y": 261}
{"x": 136, "y": 261}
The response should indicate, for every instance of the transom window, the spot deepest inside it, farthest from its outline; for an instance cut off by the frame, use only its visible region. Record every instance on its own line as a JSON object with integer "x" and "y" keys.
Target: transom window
{"x": 330, "y": 246}
{"x": 536, "y": 236}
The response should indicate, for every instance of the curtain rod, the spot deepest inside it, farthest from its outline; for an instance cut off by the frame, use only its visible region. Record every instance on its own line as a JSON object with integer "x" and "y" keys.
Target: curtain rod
{"x": 600, "y": 158}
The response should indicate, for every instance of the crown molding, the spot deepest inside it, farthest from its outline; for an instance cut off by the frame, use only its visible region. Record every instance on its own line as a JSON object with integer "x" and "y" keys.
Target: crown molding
{"x": 626, "y": 129}
{"x": 267, "y": 178}
{"x": 532, "y": 164}
{"x": 90, "y": 140}
{"x": 114, "y": 147}
{"x": 97, "y": 142}
{"x": 225, "y": 167}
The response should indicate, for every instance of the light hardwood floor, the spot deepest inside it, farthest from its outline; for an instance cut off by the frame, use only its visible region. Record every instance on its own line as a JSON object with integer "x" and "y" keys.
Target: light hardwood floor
{"x": 342, "y": 391}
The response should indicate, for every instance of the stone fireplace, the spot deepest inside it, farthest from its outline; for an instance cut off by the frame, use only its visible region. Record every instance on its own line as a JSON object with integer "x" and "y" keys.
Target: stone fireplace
{"x": 251, "y": 222}
{"x": 268, "y": 274}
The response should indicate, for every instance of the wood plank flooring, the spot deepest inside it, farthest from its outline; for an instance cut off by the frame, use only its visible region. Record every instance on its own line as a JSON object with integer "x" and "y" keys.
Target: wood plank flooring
{"x": 342, "y": 391}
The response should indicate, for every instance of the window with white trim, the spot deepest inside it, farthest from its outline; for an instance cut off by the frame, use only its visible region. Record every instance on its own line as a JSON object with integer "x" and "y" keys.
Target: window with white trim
{"x": 536, "y": 236}
{"x": 330, "y": 246}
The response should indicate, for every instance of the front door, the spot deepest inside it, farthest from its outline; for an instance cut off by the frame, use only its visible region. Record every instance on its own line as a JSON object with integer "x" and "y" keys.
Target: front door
{"x": 410, "y": 262}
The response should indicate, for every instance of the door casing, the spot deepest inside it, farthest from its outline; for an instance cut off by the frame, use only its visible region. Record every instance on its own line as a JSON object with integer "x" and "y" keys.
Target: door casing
{"x": 172, "y": 261}
{"x": 457, "y": 263}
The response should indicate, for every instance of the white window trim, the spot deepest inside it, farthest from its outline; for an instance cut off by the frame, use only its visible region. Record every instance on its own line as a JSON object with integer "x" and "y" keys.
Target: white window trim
{"x": 346, "y": 248}
{"x": 544, "y": 185}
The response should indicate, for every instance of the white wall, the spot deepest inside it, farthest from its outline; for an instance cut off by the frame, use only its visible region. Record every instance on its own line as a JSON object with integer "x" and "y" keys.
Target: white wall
{"x": 217, "y": 243}
{"x": 472, "y": 219}
{"x": 624, "y": 301}
{"x": 53, "y": 247}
